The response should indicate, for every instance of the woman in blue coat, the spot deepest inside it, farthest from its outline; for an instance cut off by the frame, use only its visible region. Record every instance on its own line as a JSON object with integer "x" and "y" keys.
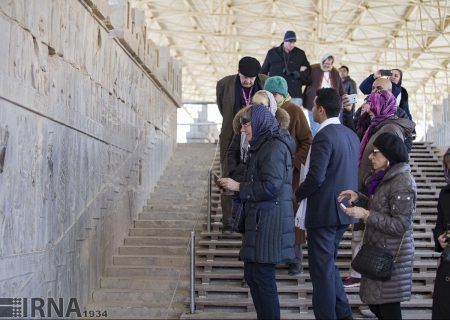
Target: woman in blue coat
{"x": 266, "y": 192}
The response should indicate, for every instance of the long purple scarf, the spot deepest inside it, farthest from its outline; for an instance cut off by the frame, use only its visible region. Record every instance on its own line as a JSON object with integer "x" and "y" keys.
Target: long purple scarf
{"x": 375, "y": 181}
{"x": 384, "y": 106}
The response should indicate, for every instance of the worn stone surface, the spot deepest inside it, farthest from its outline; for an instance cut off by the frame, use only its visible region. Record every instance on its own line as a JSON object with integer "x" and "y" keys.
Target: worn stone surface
{"x": 85, "y": 133}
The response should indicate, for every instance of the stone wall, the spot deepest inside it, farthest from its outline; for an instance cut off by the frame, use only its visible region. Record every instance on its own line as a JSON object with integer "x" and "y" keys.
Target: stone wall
{"x": 87, "y": 125}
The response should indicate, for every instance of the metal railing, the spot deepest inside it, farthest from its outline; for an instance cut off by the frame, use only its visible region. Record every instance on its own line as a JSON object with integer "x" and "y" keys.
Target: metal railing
{"x": 192, "y": 240}
{"x": 208, "y": 225}
{"x": 192, "y": 271}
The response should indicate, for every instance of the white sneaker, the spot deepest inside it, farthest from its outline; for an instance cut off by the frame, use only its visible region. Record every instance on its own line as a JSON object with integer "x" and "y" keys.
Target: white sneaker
{"x": 366, "y": 313}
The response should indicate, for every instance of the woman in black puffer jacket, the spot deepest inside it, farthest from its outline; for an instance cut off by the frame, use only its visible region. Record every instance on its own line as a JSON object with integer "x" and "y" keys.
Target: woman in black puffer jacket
{"x": 391, "y": 206}
{"x": 441, "y": 292}
{"x": 266, "y": 191}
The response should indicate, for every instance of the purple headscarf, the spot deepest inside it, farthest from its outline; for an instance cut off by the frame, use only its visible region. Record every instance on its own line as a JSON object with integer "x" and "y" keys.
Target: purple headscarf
{"x": 384, "y": 106}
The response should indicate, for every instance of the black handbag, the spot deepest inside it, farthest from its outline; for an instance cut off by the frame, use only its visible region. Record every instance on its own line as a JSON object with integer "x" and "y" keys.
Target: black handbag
{"x": 374, "y": 262}
{"x": 239, "y": 217}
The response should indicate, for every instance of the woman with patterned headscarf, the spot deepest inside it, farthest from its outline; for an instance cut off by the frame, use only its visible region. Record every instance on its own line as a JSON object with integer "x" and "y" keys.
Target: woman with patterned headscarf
{"x": 382, "y": 109}
{"x": 266, "y": 192}
{"x": 441, "y": 307}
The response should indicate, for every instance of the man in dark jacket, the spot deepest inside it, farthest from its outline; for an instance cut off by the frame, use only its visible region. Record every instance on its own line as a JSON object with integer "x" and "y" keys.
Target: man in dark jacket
{"x": 291, "y": 63}
{"x": 333, "y": 168}
{"x": 348, "y": 84}
{"x": 233, "y": 93}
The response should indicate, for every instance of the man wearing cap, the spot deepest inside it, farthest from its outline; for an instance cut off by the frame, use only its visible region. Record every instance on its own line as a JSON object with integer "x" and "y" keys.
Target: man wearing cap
{"x": 233, "y": 93}
{"x": 299, "y": 130}
{"x": 289, "y": 62}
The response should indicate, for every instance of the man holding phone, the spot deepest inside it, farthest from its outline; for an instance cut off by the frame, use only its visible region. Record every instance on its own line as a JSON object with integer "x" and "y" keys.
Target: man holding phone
{"x": 333, "y": 168}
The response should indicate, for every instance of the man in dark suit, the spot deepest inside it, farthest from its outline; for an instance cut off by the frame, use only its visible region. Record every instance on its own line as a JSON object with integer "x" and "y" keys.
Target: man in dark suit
{"x": 233, "y": 93}
{"x": 333, "y": 167}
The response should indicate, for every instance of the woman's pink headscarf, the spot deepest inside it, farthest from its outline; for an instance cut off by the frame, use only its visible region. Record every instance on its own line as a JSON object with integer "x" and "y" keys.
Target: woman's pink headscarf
{"x": 384, "y": 106}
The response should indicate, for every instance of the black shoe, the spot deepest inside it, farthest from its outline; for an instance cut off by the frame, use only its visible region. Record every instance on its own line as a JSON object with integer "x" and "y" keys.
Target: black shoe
{"x": 295, "y": 269}
{"x": 227, "y": 230}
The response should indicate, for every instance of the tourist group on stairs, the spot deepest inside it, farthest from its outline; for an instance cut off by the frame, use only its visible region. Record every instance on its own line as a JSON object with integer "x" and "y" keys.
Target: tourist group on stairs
{"x": 299, "y": 157}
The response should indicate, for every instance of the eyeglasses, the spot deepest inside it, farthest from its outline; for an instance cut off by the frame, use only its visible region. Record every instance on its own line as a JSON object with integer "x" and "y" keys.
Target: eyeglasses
{"x": 244, "y": 120}
{"x": 375, "y": 151}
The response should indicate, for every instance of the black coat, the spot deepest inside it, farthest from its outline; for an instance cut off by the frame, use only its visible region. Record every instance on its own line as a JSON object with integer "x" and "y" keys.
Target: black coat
{"x": 443, "y": 215}
{"x": 349, "y": 85}
{"x": 267, "y": 196}
{"x": 277, "y": 60}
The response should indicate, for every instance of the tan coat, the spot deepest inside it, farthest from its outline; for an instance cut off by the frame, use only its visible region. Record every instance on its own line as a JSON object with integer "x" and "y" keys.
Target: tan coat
{"x": 225, "y": 94}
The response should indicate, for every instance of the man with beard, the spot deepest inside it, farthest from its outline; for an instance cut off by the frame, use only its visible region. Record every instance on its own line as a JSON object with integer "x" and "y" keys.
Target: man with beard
{"x": 289, "y": 62}
{"x": 323, "y": 75}
{"x": 233, "y": 93}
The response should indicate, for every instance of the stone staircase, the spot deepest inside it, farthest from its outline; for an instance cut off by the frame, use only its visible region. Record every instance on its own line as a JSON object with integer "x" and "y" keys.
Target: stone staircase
{"x": 219, "y": 273}
{"x": 149, "y": 275}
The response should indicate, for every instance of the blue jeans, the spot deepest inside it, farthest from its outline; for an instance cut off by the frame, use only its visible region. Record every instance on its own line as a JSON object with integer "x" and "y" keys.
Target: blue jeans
{"x": 297, "y": 101}
{"x": 260, "y": 278}
{"x": 314, "y": 125}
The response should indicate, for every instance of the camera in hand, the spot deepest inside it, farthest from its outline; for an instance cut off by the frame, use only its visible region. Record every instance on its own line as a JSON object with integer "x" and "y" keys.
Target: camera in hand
{"x": 445, "y": 255}
{"x": 386, "y": 72}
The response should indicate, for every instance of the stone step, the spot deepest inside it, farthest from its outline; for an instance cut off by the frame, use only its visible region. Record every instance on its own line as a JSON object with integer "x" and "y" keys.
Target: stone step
{"x": 182, "y": 224}
{"x": 175, "y": 207}
{"x": 238, "y": 274}
{"x": 219, "y": 236}
{"x": 152, "y": 215}
{"x": 289, "y": 315}
{"x": 292, "y": 303}
{"x": 344, "y": 265}
{"x": 166, "y": 241}
{"x": 153, "y": 262}
{"x": 147, "y": 298}
{"x": 429, "y": 244}
{"x": 420, "y": 224}
{"x": 174, "y": 232}
{"x": 153, "y": 250}
{"x": 342, "y": 253}
{"x": 139, "y": 311}
{"x": 305, "y": 288}
{"x": 160, "y": 273}
{"x": 139, "y": 283}
{"x": 150, "y": 260}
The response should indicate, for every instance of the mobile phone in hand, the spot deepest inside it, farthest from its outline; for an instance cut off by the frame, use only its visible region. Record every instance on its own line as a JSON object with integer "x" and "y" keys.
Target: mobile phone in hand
{"x": 386, "y": 73}
{"x": 344, "y": 202}
{"x": 352, "y": 98}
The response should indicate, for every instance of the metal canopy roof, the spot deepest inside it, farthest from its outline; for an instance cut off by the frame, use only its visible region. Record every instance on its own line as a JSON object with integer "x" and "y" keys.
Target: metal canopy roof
{"x": 210, "y": 36}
